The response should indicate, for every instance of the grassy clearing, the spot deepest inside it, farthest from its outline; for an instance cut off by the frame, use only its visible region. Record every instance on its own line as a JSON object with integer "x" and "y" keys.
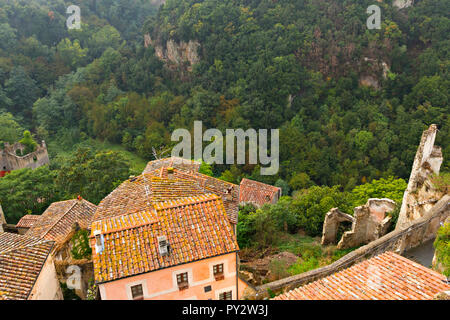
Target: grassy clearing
{"x": 312, "y": 254}
{"x": 59, "y": 152}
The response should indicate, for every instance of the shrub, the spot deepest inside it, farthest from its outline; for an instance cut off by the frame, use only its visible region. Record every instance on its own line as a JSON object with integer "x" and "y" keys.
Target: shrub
{"x": 442, "y": 245}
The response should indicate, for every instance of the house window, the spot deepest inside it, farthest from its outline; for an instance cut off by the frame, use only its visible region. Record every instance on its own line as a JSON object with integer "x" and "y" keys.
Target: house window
{"x": 208, "y": 288}
{"x": 226, "y": 295}
{"x": 137, "y": 293}
{"x": 218, "y": 271}
{"x": 182, "y": 281}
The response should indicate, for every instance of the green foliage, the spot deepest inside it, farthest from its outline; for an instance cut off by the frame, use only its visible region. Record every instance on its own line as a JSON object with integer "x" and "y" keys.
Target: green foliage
{"x": 27, "y": 191}
{"x": 28, "y": 142}
{"x": 206, "y": 168}
{"x": 80, "y": 245}
{"x": 10, "y": 130}
{"x": 441, "y": 182}
{"x": 383, "y": 188}
{"x": 311, "y": 205}
{"x": 442, "y": 245}
{"x": 92, "y": 175}
{"x": 68, "y": 294}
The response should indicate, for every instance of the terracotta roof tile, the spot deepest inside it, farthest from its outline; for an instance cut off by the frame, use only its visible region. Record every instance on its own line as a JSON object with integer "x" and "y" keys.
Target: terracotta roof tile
{"x": 173, "y": 162}
{"x": 385, "y": 277}
{"x": 21, "y": 261}
{"x": 228, "y": 191}
{"x": 196, "y": 227}
{"x": 57, "y": 221}
{"x": 27, "y": 221}
{"x": 257, "y": 193}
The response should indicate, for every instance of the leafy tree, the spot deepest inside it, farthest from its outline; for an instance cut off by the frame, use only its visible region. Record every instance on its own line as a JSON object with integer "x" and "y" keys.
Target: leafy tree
{"x": 27, "y": 191}
{"x": 311, "y": 205}
{"x": 383, "y": 188}
{"x": 442, "y": 245}
{"x": 10, "y": 130}
{"x": 92, "y": 175}
{"x": 28, "y": 142}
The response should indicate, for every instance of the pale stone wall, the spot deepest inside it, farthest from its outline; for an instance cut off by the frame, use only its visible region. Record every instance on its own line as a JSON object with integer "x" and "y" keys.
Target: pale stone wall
{"x": 47, "y": 284}
{"x": 421, "y": 195}
{"x": 9, "y": 161}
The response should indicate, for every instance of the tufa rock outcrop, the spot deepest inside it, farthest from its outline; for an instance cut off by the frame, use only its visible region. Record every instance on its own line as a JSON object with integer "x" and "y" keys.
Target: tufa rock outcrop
{"x": 421, "y": 194}
{"x": 176, "y": 54}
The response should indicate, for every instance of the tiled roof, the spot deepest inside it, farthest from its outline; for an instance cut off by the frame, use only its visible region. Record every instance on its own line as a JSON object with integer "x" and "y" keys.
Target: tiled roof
{"x": 196, "y": 227}
{"x": 228, "y": 191}
{"x": 173, "y": 162}
{"x": 385, "y": 277}
{"x": 138, "y": 194}
{"x": 21, "y": 261}
{"x": 27, "y": 221}
{"x": 57, "y": 221}
{"x": 256, "y": 192}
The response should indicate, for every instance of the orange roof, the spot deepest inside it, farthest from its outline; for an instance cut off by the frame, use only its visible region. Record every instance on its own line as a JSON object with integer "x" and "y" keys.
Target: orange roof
{"x": 257, "y": 193}
{"x": 21, "y": 261}
{"x": 196, "y": 228}
{"x": 57, "y": 221}
{"x": 228, "y": 191}
{"x": 138, "y": 194}
{"x": 387, "y": 276}
{"x": 27, "y": 221}
{"x": 173, "y": 162}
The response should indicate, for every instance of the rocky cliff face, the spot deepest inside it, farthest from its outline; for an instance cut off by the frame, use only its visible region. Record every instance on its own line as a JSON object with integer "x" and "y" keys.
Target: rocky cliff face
{"x": 421, "y": 195}
{"x": 403, "y": 3}
{"x": 176, "y": 54}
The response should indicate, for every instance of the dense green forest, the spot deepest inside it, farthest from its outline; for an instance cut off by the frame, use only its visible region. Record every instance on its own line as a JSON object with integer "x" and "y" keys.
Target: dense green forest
{"x": 297, "y": 65}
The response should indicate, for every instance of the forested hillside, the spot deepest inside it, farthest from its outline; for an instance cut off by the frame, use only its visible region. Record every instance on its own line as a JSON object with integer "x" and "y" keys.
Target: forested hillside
{"x": 351, "y": 103}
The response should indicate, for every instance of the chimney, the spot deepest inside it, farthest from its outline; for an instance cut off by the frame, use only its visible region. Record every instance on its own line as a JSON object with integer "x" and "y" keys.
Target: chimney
{"x": 99, "y": 241}
{"x": 163, "y": 246}
{"x": 170, "y": 173}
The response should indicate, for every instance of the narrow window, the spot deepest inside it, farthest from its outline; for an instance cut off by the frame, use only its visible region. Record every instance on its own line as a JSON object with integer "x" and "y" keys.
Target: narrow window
{"x": 225, "y": 295}
{"x": 182, "y": 281}
{"x": 218, "y": 272}
{"x": 137, "y": 293}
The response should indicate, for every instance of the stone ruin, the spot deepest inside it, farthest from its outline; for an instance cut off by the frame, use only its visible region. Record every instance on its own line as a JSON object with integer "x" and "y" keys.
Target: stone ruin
{"x": 369, "y": 223}
{"x": 9, "y": 160}
{"x": 421, "y": 194}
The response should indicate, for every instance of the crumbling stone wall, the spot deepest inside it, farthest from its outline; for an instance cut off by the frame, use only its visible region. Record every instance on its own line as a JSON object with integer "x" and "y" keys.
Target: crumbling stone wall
{"x": 369, "y": 224}
{"x": 331, "y": 225}
{"x": 10, "y": 161}
{"x": 421, "y": 195}
{"x": 398, "y": 241}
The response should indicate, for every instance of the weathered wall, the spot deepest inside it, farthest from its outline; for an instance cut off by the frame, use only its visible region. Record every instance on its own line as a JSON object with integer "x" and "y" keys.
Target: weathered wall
{"x": 420, "y": 194}
{"x": 331, "y": 225}
{"x": 9, "y": 161}
{"x": 398, "y": 241}
{"x": 47, "y": 285}
{"x": 369, "y": 224}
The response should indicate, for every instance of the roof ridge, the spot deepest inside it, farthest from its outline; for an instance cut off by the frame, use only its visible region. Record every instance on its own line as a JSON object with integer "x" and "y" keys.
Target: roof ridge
{"x": 37, "y": 241}
{"x": 59, "y": 219}
{"x": 161, "y": 205}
